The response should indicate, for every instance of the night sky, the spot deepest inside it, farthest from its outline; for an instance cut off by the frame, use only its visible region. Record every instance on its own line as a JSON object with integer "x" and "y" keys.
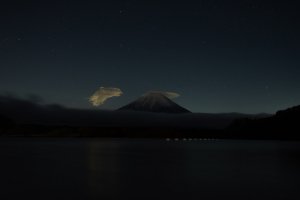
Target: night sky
{"x": 220, "y": 56}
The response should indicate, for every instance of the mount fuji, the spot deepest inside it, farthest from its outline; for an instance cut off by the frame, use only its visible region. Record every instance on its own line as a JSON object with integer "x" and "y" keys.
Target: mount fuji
{"x": 155, "y": 102}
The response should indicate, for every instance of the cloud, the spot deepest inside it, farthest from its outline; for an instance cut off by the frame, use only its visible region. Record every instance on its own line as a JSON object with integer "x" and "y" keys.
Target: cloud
{"x": 170, "y": 95}
{"x": 104, "y": 93}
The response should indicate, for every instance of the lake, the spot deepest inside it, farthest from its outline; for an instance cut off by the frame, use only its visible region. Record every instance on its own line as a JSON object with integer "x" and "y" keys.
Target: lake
{"x": 44, "y": 168}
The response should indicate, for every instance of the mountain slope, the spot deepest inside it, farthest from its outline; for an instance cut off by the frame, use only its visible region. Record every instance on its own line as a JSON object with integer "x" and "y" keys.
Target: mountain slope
{"x": 284, "y": 124}
{"x": 154, "y": 102}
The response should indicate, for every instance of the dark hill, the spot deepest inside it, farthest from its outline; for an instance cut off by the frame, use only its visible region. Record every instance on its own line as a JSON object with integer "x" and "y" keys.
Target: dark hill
{"x": 284, "y": 124}
{"x": 6, "y": 122}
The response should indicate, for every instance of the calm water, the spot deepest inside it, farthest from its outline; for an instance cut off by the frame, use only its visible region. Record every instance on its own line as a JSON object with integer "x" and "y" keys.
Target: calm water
{"x": 148, "y": 169}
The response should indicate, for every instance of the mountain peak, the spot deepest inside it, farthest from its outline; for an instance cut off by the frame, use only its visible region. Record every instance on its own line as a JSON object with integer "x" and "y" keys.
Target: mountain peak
{"x": 154, "y": 102}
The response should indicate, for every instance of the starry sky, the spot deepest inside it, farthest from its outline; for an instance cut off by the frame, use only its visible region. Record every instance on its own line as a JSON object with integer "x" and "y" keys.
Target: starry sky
{"x": 220, "y": 56}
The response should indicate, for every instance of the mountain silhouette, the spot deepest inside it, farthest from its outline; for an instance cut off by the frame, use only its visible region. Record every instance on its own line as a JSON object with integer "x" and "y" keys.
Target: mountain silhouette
{"x": 5, "y": 122}
{"x": 154, "y": 102}
{"x": 293, "y": 113}
{"x": 284, "y": 124}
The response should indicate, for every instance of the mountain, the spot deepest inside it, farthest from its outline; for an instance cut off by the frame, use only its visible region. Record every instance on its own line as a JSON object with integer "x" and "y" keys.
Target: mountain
{"x": 5, "y": 122}
{"x": 154, "y": 102}
{"x": 291, "y": 113}
{"x": 284, "y": 124}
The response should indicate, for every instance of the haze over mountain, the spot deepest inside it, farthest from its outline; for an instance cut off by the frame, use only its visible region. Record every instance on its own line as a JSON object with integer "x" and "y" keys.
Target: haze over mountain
{"x": 28, "y": 112}
{"x": 19, "y": 116}
{"x": 154, "y": 102}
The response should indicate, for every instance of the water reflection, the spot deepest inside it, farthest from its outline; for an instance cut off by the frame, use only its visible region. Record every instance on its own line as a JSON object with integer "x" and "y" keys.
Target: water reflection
{"x": 152, "y": 169}
{"x": 103, "y": 164}
{"x": 135, "y": 169}
{"x": 149, "y": 169}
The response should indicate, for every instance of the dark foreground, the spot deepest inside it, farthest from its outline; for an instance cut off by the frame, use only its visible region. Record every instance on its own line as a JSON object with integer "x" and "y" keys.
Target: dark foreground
{"x": 148, "y": 169}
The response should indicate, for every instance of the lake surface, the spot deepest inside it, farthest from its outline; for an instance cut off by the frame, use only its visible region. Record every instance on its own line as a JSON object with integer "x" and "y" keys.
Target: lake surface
{"x": 148, "y": 169}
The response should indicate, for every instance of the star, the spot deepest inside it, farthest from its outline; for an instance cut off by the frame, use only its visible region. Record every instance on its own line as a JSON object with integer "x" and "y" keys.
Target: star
{"x": 267, "y": 87}
{"x": 204, "y": 42}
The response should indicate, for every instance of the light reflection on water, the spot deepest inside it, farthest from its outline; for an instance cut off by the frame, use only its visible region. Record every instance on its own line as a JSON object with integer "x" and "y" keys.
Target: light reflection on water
{"x": 149, "y": 169}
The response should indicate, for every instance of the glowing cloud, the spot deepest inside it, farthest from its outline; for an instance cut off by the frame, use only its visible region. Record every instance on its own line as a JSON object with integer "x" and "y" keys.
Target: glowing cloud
{"x": 170, "y": 95}
{"x": 104, "y": 93}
